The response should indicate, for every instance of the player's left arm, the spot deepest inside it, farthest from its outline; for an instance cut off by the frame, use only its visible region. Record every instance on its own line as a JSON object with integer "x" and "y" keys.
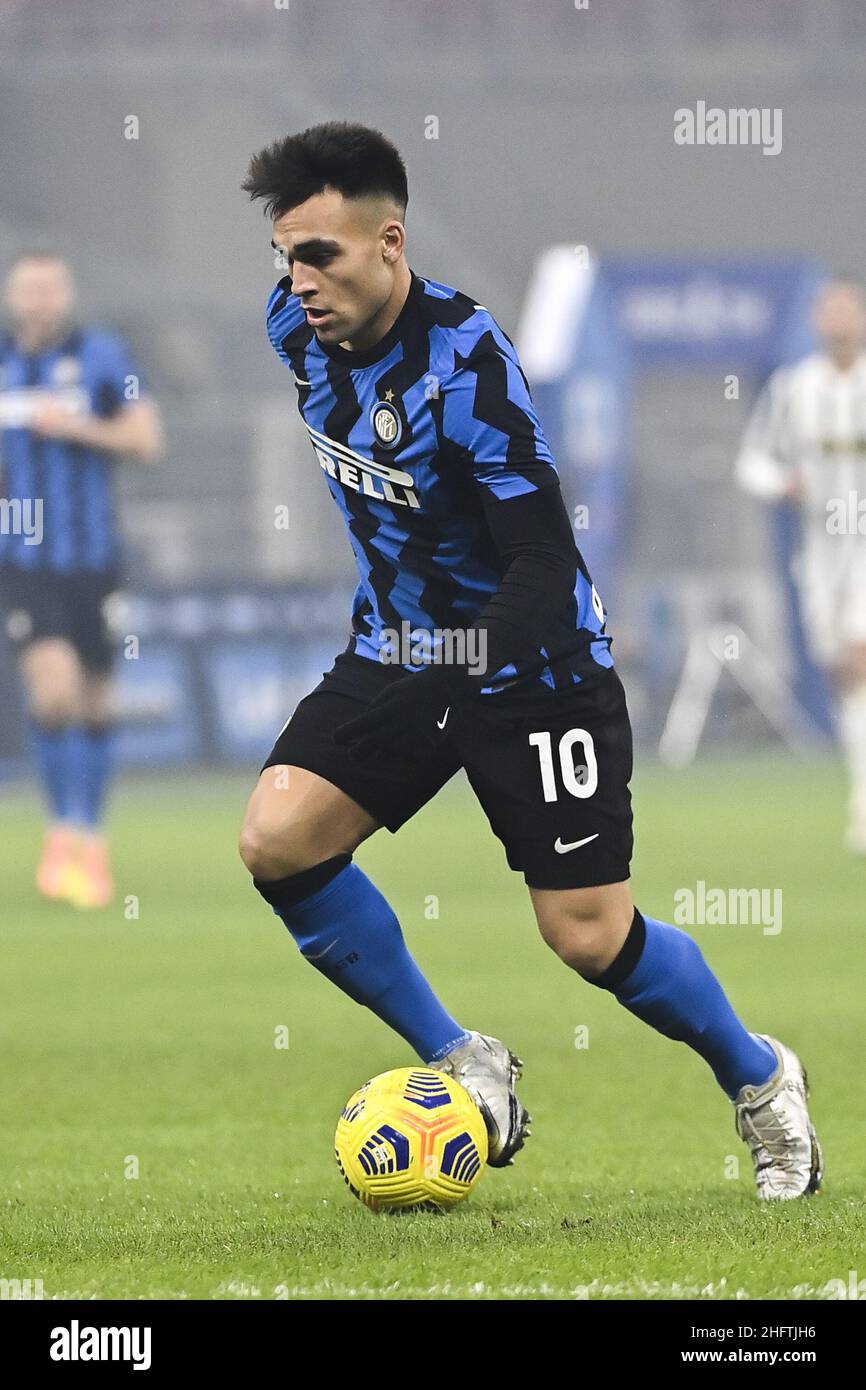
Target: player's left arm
{"x": 532, "y": 535}
{"x": 765, "y": 463}
{"x": 124, "y": 420}
{"x": 488, "y": 417}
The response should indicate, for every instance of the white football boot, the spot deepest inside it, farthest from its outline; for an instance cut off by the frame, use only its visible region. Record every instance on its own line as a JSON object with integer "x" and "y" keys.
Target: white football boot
{"x": 773, "y": 1119}
{"x": 488, "y": 1070}
{"x": 855, "y": 835}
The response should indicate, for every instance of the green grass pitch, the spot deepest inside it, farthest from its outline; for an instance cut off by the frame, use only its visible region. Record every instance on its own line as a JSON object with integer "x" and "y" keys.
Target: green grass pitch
{"x": 147, "y": 1043}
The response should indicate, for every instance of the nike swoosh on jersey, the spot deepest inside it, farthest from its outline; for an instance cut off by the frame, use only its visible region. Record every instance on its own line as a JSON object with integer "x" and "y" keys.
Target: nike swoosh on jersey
{"x": 565, "y": 849}
{"x": 441, "y": 725}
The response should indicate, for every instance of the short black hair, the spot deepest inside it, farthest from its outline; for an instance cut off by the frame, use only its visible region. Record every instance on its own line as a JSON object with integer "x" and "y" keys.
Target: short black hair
{"x": 354, "y": 159}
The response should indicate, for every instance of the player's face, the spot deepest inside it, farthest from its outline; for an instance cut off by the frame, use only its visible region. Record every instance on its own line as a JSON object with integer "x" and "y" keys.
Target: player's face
{"x": 39, "y": 296}
{"x": 341, "y": 255}
{"x": 840, "y": 318}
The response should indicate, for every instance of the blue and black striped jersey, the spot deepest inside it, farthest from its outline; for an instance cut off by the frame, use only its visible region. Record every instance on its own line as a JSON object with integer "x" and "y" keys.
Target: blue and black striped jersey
{"x": 89, "y": 370}
{"x": 410, "y": 435}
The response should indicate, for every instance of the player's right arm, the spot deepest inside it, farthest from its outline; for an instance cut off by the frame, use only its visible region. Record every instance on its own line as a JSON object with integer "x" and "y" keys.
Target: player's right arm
{"x": 766, "y": 465}
{"x": 124, "y": 420}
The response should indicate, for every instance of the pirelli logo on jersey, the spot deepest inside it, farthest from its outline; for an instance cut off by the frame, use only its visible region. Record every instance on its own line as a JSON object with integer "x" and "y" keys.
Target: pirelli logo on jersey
{"x": 371, "y": 479}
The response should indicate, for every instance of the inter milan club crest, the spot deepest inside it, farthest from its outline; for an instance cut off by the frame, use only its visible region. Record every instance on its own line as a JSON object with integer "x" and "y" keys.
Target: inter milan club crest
{"x": 387, "y": 425}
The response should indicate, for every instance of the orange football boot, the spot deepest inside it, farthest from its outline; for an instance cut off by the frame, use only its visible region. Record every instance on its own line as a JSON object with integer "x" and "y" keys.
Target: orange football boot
{"x": 59, "y": 857}
{"x": 90, "y": 883}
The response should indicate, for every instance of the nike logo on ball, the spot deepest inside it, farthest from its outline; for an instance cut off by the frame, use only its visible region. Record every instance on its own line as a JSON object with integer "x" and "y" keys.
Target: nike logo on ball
{"x": 564, "y": 849}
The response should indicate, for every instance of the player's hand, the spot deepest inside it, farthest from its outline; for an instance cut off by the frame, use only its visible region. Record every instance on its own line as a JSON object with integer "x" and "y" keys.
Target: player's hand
{"x": 410, "y": 716}
{"x": 54, "y": 420}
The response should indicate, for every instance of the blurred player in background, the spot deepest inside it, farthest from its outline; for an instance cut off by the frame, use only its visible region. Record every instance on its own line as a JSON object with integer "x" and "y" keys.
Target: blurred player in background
{"x": 421, "y": 419}
{"x": 806, "y": 443}
{"x": 70, "y": 406}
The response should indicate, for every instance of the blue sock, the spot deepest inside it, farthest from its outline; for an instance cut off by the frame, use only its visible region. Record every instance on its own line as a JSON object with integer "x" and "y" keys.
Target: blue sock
{"x": 95, "y": 750}
{"x": 662, "y": 978}
{"x": 77, "y": 763}
{"x": 50, "y": 747}
{"x": 347, "y": 930}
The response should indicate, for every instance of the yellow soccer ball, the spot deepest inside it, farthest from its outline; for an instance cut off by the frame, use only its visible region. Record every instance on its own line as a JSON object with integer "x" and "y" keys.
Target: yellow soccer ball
{"x": 411, "y": 1138}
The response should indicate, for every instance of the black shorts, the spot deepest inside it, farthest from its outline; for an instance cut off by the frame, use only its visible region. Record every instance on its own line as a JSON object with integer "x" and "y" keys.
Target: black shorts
{"x": 77, "y": 607}
{"x": 550, "y": 769}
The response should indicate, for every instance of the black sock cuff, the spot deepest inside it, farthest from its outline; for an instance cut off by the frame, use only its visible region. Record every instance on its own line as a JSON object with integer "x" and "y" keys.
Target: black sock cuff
{"x": 285, "y": 892}
{"x": 629, "y": 954}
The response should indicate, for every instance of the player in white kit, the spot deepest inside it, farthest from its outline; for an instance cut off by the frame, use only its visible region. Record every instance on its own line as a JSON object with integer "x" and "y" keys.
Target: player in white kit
{"x": 806, "y": 442}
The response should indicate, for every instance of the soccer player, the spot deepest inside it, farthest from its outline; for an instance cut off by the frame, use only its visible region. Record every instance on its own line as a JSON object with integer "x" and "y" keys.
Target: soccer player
{"x": 422, "y": 422}
{"x": 70, "y": 406}
{"x": 806, "y": 444}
